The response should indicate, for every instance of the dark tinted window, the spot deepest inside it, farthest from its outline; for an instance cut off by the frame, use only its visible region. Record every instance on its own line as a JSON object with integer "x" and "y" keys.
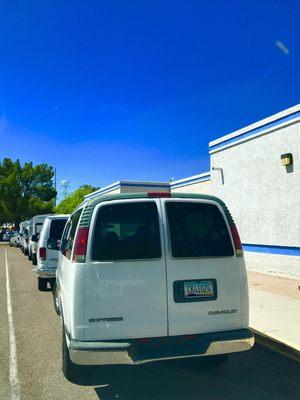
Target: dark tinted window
{"x": 127, "y": 231}
{"x": 197, "y": 230}
{"x": 56, "y": 228}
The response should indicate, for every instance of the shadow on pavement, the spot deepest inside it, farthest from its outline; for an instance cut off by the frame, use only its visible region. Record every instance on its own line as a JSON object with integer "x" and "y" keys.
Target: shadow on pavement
{"x": 258, "y": 374}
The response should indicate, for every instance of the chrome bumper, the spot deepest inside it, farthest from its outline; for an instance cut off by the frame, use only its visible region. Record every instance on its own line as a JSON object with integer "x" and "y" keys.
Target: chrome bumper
{"x": 158, "y": 349}
{"x": 46, "y": 273}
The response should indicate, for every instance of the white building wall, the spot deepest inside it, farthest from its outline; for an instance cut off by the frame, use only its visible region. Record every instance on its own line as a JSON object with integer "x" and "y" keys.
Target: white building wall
{"x": 262, "y": 195}
{"x": 201, "y": 187}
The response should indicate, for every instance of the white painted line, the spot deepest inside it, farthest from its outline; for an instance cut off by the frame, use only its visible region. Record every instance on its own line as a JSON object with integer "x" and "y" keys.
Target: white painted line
{"x": 13, "y": 366}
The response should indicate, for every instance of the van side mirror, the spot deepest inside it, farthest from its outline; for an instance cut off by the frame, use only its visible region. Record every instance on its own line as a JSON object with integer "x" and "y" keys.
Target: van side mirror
{"x": 34, "y": 238}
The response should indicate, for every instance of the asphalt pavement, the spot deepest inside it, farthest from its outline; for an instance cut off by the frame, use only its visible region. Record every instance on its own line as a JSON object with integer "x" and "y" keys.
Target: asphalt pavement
{"x": 258, "y": 374}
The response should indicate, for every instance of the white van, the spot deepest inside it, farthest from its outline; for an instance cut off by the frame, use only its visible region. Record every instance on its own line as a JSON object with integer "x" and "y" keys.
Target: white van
{"x": 47, "y": 250}
{"x": 147, "y": 277}
{"x": 36, "y": 224}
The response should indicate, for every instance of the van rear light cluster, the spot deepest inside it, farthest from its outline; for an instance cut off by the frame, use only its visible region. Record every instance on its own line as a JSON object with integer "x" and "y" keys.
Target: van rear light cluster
{"x": 236, "y": 240}
{"x": 42, "y": 253}
{"x": 159, "y": 194}
{"x": 80, "y": 246}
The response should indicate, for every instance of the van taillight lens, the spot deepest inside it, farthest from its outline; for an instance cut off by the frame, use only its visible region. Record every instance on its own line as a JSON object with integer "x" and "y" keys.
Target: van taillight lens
{"x": 236, "y": 240}
{"x": 79, "y": 252}
{"x": 42, "y": 253}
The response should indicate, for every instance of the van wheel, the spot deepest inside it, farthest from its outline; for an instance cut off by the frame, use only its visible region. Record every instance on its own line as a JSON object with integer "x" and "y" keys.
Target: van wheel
{"x": 217, "y": 360}
{"x": 42, "y": 284}
{"x": 69, "y": 369}
{"x": 55, "y": 300}
{"x": 34, "y": 260}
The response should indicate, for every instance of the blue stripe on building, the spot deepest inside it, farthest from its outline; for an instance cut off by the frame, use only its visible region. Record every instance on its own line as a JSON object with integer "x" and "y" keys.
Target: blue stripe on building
{"x": 270, "y": 249}
{"x": 255, "y": 131}
{"x": 189, "y": 181}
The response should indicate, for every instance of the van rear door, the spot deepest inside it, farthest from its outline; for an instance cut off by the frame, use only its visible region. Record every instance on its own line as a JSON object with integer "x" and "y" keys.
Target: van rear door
{"x": 202, "y": 270}
{"x": 125, "y": 284}
{"x": 55, "y": 232}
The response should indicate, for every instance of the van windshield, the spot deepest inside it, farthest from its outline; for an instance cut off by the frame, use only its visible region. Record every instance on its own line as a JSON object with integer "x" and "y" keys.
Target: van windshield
{"x": 197, "y": 230}
{"x": 126, "y": 231}
{"x": 57, "y": 227}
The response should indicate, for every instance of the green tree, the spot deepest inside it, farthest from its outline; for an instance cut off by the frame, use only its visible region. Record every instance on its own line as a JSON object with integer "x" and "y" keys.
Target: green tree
{"x": 25, "y": 190}
{"x": 67, "y": 205}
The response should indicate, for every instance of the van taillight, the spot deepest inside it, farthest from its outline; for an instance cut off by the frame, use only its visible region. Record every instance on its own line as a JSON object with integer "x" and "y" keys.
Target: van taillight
{"x": 42, "y": 253}
{"x": 236, "y": 240}
{"x": 159, "y": 194}
{"x": 80, "y": 245}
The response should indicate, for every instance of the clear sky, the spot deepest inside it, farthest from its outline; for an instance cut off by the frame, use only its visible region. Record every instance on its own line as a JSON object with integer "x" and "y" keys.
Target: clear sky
{"x": 109, "y": 90}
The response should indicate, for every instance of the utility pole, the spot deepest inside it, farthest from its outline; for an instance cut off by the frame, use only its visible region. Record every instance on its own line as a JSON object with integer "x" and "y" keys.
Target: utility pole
{"x": 55, "y": 199}
{"x": 65, "y": 185}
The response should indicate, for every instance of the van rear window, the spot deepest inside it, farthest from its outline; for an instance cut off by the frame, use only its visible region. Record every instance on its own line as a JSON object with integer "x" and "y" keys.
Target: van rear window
{"x": 56, "y": 228}
{"x": 126, "y": 232}
{"x": 197, "y": 230}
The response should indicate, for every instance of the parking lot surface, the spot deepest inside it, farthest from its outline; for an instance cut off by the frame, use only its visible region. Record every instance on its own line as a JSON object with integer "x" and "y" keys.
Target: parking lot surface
{"x": 258, "y": 374}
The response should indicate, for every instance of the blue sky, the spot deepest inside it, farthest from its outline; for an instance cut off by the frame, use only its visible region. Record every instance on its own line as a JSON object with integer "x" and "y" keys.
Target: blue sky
{"x": 109, "y": 90}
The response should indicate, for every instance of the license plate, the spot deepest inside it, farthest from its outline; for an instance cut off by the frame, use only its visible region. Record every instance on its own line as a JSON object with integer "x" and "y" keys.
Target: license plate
{"x": 194, "y": 289}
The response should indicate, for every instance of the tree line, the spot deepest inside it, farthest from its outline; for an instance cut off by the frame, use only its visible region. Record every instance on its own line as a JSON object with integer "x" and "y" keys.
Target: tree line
{"x": 27, "y": 190}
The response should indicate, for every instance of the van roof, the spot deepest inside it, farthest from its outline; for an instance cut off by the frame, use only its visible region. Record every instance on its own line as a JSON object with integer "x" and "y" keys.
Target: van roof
{"x": 89, "y": 205}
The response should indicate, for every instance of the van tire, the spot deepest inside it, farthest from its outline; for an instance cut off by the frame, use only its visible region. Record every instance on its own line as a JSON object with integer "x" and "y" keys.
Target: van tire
{"x": 34, "y": 260}
{"x": 42, "y": 285}
{"x": 69, "y": 369}
{"x": 55, "y": 300}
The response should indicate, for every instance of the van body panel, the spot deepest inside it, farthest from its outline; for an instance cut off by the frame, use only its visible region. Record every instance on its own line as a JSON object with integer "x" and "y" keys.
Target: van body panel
{"x": 125, "y": 298}
{"x": 221, "y": 313}
{"x": 71, "y": 295}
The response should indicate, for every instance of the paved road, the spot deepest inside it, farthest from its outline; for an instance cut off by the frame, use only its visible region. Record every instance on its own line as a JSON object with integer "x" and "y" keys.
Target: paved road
{"x": 259, "y": 374}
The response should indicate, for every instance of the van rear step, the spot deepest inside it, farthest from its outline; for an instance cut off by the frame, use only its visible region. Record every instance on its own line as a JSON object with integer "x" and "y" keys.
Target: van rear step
{"x": 138, "y": 351}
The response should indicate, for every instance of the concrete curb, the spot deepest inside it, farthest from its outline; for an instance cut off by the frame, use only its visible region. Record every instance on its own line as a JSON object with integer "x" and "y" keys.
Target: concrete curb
{"x": 279, "y": 345}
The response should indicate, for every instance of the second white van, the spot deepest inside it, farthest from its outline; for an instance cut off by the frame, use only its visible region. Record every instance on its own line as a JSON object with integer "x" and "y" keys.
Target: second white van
{"x": 47, "y": 250}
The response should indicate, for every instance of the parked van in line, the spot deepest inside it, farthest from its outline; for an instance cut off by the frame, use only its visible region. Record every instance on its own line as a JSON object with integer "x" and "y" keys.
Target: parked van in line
{"x": 47, "y": 249}
{"x": 15, "y": 240}
{"x": 36, "y": 224}
{"x": 147, "y": 277}
{"x": 23, "y": 236}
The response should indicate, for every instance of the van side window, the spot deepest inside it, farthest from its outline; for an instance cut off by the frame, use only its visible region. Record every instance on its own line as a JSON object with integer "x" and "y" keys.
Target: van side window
{"x": 127, "y": 231}
{"x": 197, "y": 230}
{"x": 70, "y": 238}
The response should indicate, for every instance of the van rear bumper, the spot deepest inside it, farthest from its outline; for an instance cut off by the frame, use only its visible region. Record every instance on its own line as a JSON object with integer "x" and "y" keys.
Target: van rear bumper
{"x": 46, "y": 273}
{"x": 139, "y": 351}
